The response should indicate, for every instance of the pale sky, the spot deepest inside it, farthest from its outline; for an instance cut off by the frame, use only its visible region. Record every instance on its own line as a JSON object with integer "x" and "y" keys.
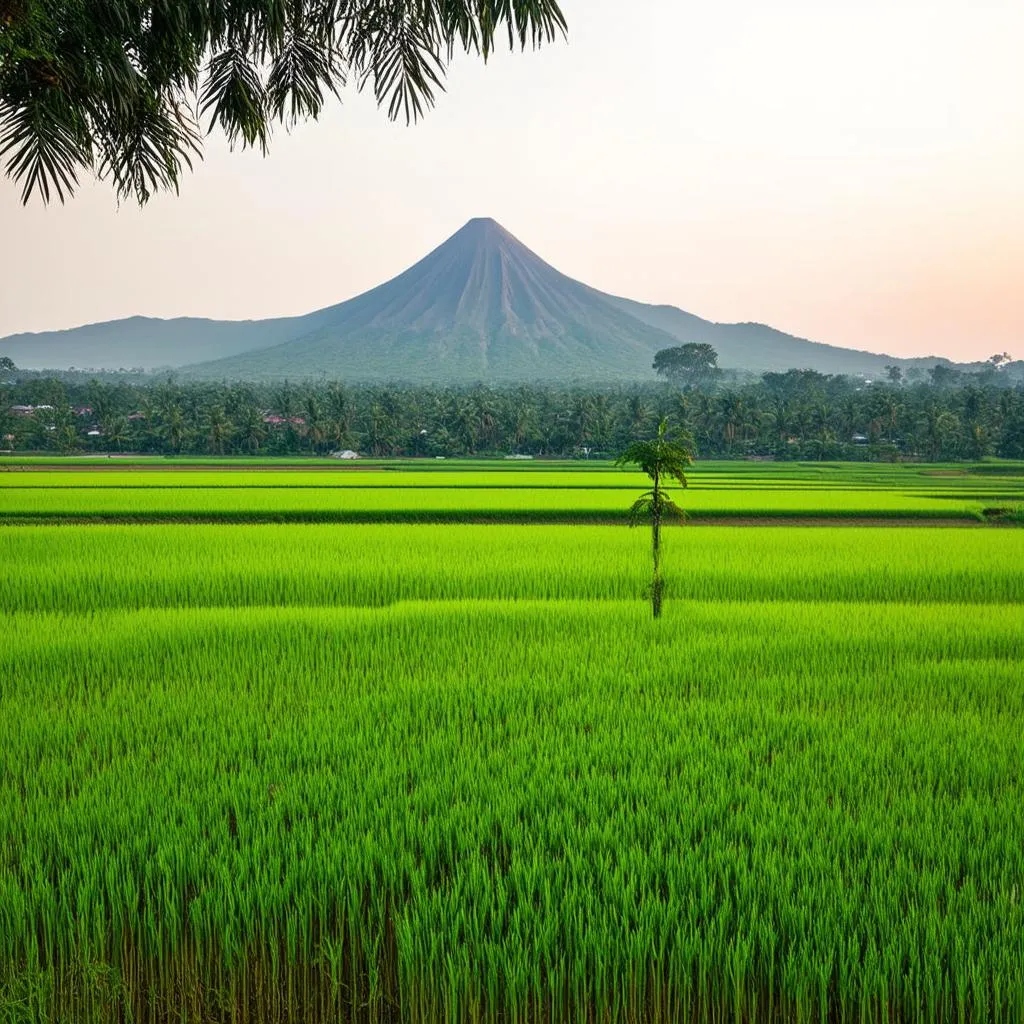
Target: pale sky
{"x": 851, "y": 172}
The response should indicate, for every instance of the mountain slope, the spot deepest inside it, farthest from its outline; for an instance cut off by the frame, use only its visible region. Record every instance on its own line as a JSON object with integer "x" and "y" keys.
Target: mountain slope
{"x": 760, "y": 348}
{"x": 481, "y": 306}
{"x": 756, "y": 347}
{"x": 144, "y": 342}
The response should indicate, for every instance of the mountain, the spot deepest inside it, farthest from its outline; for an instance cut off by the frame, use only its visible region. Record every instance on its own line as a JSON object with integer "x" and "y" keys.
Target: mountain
{"x": 481, "y": 306}
{"x": 144, "y": 342}
{"x": 759, "y": 348}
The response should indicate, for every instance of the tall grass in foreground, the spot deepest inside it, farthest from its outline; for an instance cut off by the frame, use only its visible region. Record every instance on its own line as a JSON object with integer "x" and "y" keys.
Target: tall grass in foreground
{"x": 514, "y": 811}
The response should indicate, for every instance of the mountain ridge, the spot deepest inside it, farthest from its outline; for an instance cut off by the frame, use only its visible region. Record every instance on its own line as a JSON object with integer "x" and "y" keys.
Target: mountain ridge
{"x": 481, "y": 306}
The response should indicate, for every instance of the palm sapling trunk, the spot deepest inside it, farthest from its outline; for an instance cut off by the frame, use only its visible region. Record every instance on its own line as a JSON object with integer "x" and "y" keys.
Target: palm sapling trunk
{"x": 658, "y": 458}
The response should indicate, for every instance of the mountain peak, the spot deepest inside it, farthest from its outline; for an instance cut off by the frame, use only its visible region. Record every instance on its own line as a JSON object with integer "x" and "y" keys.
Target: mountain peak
{"x": 481, "y": 306}
{"x": 481, "y": 231}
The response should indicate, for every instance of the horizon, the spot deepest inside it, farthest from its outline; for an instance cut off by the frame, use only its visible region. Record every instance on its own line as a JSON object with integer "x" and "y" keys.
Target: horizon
{"x": 849, "y": 177}
{"x": 483, "y": 220}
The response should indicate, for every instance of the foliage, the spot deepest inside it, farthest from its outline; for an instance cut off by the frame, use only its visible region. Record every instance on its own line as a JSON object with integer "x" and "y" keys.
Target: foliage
{"x": 663, "y": 460}
{"x": 117, "y": 567}
{"x": 452, "y": 773}
{"x": 123, "y": 88}
{"x": 694, "y": 364}
{"x": 801, "y": 415}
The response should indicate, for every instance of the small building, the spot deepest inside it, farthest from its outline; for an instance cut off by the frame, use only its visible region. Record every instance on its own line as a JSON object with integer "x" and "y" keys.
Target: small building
{"x": 28, "y": 410}
{"x": 346, "y": 453}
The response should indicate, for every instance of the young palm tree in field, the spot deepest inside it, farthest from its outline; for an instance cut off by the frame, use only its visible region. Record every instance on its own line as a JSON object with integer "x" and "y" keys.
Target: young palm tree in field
{"x": 663, "y": 460}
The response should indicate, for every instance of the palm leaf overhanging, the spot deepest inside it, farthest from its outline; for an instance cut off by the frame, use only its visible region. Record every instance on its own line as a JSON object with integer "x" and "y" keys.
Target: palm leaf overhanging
{"x": 119, "y": 88}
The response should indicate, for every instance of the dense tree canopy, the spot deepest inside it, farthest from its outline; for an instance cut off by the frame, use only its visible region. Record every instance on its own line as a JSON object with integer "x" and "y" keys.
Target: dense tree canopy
{"x": 796, "y": 415}
{"x": 124, "y": 89}
{"x": 692, "y": 363}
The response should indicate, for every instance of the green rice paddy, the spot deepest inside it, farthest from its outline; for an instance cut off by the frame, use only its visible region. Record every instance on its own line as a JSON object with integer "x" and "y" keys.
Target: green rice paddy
{"x": 285, "y": 772}
{"x": 423, "y": 493}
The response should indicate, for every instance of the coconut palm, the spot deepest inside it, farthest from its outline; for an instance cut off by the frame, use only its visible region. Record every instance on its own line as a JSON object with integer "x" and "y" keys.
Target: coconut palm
{"x": 663, "y": 460}
{"x": 218, "y": 430}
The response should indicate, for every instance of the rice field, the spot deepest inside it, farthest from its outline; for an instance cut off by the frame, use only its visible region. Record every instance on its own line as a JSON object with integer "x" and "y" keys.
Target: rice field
{"x": 81, "y": 570}
{"x": 455, "y": 772}
{"x": 415, "y": 493}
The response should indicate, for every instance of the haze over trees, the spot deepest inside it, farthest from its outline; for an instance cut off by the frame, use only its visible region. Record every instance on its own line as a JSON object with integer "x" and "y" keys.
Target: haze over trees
{"x": 125, "y": 90}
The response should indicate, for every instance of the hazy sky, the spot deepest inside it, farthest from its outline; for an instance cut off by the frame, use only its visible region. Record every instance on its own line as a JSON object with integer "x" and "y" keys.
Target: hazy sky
{"x": 852, "y": 172}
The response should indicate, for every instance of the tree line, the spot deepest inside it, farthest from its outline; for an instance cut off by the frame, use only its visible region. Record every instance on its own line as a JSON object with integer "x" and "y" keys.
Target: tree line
{"x": 800, "y": 414}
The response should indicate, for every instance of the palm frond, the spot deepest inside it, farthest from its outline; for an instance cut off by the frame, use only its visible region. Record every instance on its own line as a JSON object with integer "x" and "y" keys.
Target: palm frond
{"x": 396, "y": 50}
{"x": 109, "y": 85}
{"x": 670, "y": 508}
{"x": 300, "y": 74}
{"x": 43, "y": 143}
{"x": 650, "y": 505}
{"x": 235, "y": 98}
{"x": 676, "y": 472}
{"x": 642, "y": 509}
{"x": 532, "y": 22}
{"x": 145, "y": 147}
{"x": 662, "y": 456}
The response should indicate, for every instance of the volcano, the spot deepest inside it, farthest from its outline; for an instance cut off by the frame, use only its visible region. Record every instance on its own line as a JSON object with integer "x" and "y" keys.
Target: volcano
{"x": 480, "y": 307}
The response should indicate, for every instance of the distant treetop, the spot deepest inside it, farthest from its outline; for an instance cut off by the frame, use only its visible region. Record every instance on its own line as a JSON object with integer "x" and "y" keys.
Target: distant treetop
{"x": 693, "y": 364}
{"x": 123, "y": 89}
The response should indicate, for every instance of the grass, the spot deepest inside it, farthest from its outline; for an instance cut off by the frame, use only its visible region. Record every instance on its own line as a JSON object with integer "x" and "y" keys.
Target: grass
{"x": 753, "y": 468}
{"x": 252, "y": 501}
{"x": 718, "y": 491}
{"x": 379, "y": 773}
{"x": 70, "y": 569}
{"x": 410, "y": 478}
{"x": 295, "y": 814}
{"x": 339, "y": 504}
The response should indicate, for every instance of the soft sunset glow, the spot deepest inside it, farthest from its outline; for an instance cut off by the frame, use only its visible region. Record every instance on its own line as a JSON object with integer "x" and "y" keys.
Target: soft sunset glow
{"x": 849, "y": 173}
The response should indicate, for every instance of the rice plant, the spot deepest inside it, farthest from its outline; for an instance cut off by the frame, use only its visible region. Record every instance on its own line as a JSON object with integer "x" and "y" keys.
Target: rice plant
{"x": 79, "y": 569}
{"x": 279, "y": 773}
{"x": 729, "y": 491}
{"x": 495, "y": 811}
